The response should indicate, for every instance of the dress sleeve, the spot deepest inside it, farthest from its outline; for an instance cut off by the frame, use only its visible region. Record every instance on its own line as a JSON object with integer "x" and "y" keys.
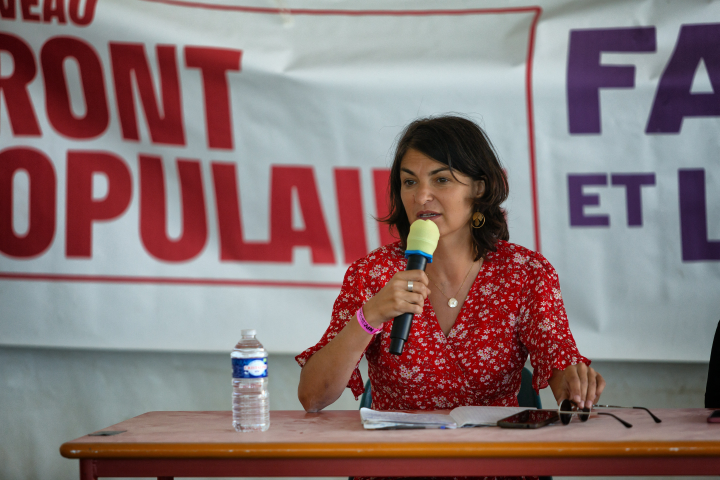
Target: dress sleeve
{"x": 543, "y": 323}
{"x": 353, "y": 295}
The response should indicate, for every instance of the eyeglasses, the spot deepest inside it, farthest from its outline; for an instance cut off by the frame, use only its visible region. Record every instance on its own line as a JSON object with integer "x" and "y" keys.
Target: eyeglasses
{"x": 657, "y": 420}
{"x": 568, "y": 409}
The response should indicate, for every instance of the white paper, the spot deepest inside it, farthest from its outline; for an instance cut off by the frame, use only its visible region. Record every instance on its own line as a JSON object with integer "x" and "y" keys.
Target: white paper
{"x": 471, "y": 416}
{"x": 483, "y": 416}
{"x": 373, "y": 419}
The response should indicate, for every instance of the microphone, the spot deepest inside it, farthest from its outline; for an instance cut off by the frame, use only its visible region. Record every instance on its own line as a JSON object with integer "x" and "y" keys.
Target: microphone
{"x": 421, "y": 244}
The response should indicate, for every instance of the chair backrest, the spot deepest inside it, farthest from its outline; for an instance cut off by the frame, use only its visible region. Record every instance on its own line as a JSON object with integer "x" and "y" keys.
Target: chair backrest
{"x": 712, "y": 389}
{"x": 366, "y": 399}
{"x": 526, "y": 398}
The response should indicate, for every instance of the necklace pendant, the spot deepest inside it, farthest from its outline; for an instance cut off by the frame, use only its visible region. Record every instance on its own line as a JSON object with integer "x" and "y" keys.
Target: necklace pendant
{"x": 452, "y": 303}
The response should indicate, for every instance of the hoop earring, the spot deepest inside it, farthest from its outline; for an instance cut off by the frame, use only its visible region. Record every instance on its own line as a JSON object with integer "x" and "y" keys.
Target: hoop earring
{"x": 478, "y": 220}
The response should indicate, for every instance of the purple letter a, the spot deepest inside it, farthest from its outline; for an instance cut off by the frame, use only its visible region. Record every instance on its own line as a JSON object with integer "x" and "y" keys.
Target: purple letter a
{"x": 673, "y": 99}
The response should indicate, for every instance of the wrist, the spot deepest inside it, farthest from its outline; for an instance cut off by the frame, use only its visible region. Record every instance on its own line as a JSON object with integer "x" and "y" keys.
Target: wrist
{"x": 364, "y": 323}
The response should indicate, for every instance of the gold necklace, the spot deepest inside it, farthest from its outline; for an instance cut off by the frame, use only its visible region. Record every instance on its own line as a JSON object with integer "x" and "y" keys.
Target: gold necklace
{"x": 452, "y": 301}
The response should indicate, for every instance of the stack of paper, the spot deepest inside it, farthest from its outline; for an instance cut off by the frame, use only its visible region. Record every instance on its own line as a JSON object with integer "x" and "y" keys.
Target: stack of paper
{"x": 461, "y": 417}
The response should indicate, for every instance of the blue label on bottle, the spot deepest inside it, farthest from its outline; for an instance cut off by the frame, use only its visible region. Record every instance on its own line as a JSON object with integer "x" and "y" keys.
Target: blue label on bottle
{"x": 249, "y": 367}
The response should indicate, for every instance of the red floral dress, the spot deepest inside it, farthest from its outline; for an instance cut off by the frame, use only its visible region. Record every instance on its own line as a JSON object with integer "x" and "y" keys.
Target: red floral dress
{"x": 514, "y": 308}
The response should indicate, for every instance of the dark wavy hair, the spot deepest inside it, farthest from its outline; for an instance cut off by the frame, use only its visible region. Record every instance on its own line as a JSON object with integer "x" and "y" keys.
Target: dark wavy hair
{"x": 463, "y": 146}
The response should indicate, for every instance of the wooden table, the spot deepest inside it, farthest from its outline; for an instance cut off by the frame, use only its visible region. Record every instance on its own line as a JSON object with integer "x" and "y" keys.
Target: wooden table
{"x": 333, "y": 443}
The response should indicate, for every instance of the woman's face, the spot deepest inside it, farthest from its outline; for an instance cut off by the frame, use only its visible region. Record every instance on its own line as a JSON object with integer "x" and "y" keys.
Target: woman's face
{"x": 430, "y": 192}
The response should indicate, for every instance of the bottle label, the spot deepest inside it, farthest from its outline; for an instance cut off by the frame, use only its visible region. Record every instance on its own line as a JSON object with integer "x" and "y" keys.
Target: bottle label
{"x": 249, "y": 367}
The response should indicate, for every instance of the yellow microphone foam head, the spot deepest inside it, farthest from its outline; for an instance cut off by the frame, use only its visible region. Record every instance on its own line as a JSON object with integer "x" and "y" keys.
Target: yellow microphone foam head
{"x": 423, "y": 237}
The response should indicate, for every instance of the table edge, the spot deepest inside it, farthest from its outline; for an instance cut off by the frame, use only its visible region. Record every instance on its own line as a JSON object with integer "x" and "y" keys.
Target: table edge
{"x": 390, "y": 450}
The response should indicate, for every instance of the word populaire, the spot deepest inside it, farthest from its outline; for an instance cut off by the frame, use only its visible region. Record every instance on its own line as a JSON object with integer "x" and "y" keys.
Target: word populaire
{"x": 693, "y": 207}
{"x": 84, "y": 209}
{"x": 674, "y": 97}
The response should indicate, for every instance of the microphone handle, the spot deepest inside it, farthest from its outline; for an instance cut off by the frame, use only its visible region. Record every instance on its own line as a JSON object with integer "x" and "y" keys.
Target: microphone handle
{"x": 402, "y": 323}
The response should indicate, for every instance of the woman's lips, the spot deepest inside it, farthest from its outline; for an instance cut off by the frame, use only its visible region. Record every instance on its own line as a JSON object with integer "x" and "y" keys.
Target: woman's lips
{"x": 427, "y": 215}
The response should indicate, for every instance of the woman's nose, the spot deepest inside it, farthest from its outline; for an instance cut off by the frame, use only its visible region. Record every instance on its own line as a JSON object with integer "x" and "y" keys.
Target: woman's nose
{"x": 423, "y": 194}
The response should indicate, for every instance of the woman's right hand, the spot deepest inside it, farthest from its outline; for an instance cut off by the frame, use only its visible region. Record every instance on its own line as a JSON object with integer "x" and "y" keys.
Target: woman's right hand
{"x": 395, "y": 299}
{"x": 326, "y": 373}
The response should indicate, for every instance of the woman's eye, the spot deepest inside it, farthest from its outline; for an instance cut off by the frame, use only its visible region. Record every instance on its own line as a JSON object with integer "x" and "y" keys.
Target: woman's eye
{"x": 407, "y": 182}
{"x": 443, "y": 179}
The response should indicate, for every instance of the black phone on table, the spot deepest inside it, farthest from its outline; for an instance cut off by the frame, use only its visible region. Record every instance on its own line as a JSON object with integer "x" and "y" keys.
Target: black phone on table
{"x": 529, "y": 419}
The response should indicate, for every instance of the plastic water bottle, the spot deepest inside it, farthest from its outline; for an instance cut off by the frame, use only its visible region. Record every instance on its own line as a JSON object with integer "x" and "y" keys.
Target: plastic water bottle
{"x": 251, "y": 405}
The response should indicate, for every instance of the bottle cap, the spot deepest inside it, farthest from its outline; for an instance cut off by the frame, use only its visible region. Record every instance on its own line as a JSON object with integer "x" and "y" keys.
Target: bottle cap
{"x": 248, "y": 332}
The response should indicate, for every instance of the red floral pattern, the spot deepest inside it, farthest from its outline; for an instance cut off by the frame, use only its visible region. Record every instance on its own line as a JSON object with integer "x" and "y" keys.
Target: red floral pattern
{"x": 514, "y": 308}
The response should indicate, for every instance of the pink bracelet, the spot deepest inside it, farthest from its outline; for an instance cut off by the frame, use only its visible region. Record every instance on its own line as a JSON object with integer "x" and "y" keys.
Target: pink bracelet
{"x": 365, "y": 325}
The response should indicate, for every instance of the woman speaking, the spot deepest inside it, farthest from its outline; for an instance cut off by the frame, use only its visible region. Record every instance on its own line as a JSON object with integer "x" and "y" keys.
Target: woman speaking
{"x": 481, "y": 307}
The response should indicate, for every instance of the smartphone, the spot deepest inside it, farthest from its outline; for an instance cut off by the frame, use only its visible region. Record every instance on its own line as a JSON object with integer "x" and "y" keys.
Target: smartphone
{"x": 530, "y": 419}
{"x": 714, "y": 417}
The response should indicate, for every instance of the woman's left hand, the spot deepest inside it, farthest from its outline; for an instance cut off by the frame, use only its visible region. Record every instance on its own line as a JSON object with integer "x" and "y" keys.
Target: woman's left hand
{"x": 579, "y": 383}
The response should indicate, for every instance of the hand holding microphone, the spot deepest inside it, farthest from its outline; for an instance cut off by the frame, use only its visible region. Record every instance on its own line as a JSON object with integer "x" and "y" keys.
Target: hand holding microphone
{"x": 421, "y": 244}
{"x": 397, "y": 299}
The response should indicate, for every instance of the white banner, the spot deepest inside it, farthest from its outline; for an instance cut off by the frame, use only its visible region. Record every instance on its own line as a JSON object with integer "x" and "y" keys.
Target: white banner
{"x": 174, "y": 171}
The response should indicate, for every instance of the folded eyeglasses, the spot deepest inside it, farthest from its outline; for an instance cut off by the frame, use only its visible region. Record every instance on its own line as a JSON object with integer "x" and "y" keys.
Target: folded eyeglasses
{"x": 567, "y": 409}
